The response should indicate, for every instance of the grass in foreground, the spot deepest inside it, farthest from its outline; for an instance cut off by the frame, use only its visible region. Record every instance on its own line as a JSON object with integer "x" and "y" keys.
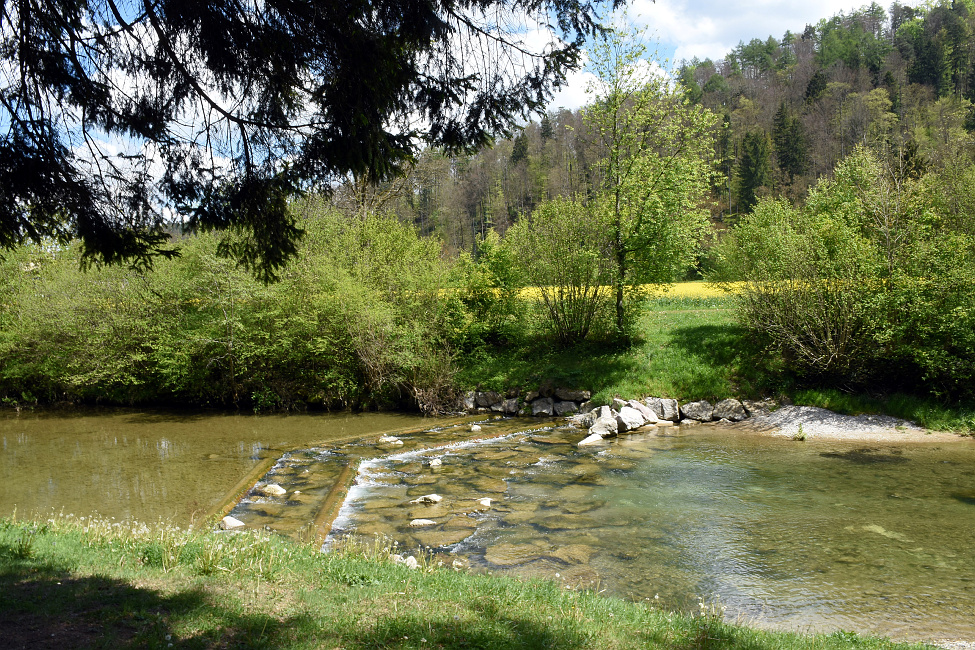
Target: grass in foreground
{"x": 90, "y": 583}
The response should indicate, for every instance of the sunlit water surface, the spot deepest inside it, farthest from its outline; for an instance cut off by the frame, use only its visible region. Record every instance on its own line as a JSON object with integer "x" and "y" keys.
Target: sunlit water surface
{"x": 147, "y": 466}
{"x": 796, "y": 535}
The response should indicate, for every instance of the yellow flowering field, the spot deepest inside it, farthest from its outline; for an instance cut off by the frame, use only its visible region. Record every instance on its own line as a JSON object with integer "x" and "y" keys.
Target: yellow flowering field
{"x": 699, "y": 289}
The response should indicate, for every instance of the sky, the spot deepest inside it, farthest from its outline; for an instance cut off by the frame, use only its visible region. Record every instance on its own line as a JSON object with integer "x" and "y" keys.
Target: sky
{"x": 712, "y": 28}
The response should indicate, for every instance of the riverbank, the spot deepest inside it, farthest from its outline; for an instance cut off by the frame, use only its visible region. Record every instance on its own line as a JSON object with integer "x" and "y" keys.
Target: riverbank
{"x": 81, "y": 583}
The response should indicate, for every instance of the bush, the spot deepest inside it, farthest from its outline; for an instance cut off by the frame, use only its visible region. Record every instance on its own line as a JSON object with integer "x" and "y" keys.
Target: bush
{"x": 807, "y": 288}
{"x": 866, "y": 282}
{"x": 358, "y": 318}
{"x": 491, "y": 282}
{"x": 563, "y": 252}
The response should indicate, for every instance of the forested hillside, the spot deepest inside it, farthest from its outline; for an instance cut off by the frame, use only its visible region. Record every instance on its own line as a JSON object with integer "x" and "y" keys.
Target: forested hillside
{"x": 898, "y": 81}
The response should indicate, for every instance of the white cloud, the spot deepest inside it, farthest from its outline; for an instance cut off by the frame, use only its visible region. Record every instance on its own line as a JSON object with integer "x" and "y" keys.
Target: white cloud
{"x": 710, "y": 29}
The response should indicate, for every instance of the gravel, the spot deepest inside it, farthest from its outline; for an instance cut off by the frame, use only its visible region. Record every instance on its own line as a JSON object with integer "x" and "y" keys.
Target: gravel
{"x": 821, "y": 423}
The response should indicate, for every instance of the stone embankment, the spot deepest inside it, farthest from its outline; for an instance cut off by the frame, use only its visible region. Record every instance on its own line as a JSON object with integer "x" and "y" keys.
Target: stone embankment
{"x": 540, "y": 403}
{"x": 610, "y": 421}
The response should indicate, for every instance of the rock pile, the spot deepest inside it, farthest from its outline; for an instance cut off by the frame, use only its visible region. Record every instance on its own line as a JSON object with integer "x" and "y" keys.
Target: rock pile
{"x": 625, "y": 416}
{"x": 542, "y": 402}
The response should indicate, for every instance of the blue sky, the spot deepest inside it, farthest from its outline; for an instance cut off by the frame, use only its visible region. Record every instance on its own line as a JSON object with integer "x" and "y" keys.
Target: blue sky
{"x": 712, "y": 28}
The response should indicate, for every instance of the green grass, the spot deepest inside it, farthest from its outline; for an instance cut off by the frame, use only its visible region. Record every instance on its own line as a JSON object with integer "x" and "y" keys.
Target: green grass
{"x": 71, "y": 583}
{"x": 688, "y": 348}
{"x": 685, "y": 348}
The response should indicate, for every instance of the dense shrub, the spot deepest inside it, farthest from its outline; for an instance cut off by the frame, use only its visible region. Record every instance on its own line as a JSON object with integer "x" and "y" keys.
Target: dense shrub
{"x": 867, "y": 283}
{"x": 563, "y": 251}
{"x": 491, "y": 281}
{"x": 358, "y": 318}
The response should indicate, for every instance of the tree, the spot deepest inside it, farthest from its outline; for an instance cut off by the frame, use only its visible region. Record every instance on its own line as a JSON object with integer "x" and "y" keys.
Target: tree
{"x": 754, "y": 171}
{"x": 790, "y": 142}
{"x": 121, "y": 117}
{"x": 654, "y": 170}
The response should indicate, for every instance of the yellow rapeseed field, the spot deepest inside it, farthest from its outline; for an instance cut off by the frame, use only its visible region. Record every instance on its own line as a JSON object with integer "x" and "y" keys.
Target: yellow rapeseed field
{"x": 698, "y": 289}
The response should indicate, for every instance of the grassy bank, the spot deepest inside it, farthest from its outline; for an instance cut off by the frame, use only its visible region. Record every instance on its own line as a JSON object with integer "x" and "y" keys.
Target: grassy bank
{"x": 91, "y": 583}
{"x": 689, "y": 345}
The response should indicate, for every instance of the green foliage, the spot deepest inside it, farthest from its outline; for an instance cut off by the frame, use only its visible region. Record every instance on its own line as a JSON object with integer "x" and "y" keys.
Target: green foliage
{"x": 564, "y": 251}
{"x": 359, "y": 318}
{"x": 856, "y": 39}
{"x": 491, "y": 283}
{"x": 654, "y": 170}
{"x": 808, "y": 279}
{"x": 224, "y": 115}
{"x": 866, "y": 281}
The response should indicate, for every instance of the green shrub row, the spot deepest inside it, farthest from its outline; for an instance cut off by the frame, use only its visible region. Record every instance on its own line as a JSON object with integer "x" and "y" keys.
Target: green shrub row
{"x": 360, "y": 318}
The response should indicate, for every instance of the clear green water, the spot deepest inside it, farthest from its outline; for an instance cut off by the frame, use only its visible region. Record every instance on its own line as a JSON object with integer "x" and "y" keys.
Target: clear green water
{"x": 147, "y": 466}
{"x": 807, "y": 536}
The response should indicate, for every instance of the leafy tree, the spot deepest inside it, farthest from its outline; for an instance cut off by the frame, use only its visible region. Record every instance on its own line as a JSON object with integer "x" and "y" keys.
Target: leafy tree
{"x": 654, "y": 168}
{"x": 117, "y": 115}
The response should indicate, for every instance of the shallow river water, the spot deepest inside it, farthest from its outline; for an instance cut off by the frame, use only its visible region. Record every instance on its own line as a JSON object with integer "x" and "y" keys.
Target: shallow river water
{"x": 154, "y": 465}
{"x": 814, "y": 535}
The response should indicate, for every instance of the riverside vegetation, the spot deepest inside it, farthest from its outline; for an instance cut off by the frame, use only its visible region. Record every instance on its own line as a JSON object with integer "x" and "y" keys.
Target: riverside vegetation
{"x": 79, "y": 582}
{"x": 372, "y": 316}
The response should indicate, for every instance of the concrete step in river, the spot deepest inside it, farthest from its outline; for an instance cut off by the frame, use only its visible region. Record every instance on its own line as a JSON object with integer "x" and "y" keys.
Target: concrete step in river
{"x": 300, "y": 494}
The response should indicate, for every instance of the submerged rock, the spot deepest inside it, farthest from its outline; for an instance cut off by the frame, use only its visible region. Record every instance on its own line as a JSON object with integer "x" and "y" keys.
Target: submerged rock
{"x": 441, "y": 538}
{"x": 511, "y": 554}
{"x": 430, "y": 511}
{"x": 574, "y": 553}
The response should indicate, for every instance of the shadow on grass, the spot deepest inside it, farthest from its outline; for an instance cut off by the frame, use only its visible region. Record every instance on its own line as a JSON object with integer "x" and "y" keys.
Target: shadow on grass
{"x": 589, "y": 366}
{"x": 43, "y": 606}
{"x": 726, "y": 350}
